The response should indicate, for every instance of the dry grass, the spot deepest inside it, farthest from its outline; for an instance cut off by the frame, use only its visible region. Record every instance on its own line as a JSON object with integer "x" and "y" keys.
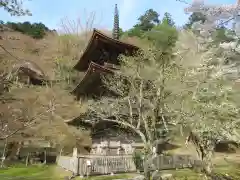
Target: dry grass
{"x": 23, "y": 47}
{"x": 49, "y": 55}
{"x": 44, "y": 52}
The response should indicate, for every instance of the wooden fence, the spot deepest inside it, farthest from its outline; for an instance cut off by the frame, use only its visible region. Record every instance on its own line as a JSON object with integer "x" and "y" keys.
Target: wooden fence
{"x": 162, "y": 162}
{"x": 98, "y": 164}
{"x": 95, "y": 165}
{"x": 68, "y": 163}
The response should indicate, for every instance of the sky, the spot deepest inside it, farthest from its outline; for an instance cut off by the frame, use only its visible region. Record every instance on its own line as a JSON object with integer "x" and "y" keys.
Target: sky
{"x": 53, "y": 12}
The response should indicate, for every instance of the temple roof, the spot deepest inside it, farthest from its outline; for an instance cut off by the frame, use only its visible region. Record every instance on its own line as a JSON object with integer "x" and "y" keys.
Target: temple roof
{"x": 91, "y": 79}
{"x": 98, "y": 39}
{"x": 96, "y": 125}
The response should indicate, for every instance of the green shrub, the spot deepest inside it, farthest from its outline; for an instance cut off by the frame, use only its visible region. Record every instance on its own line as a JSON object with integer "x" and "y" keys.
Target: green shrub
{"x": 138, "y": 160}
{"x": 35, "y": 30}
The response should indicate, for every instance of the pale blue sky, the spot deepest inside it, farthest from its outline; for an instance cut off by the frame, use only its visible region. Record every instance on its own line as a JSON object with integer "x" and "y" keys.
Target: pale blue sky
{"x": 50, "y": 12}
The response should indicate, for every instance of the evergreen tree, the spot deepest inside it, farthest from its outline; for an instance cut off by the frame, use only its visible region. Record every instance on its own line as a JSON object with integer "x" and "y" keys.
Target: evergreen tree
{"x": 167, "y": 18}
{"x": 35, "y": 30}
{"x": 146, "y": 22}
{"x": 195, "y": 17}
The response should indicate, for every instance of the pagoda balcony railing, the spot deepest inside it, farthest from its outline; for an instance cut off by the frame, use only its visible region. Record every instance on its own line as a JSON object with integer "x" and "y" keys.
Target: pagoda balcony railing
{"x": 111, "y": 66}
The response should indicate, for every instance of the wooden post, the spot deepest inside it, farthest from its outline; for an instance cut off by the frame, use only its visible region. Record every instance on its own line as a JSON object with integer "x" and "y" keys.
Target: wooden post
{"x": 27, "y": 159}
{"x": 75, "y": 161}
{"x": 60, "y": 154}
{"x": 45, "y": 156}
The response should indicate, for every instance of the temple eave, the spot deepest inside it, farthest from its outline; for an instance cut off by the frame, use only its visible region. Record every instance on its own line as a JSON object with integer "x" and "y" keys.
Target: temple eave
{"x": 91, "y": 78}
{"x": 97, "y": 41}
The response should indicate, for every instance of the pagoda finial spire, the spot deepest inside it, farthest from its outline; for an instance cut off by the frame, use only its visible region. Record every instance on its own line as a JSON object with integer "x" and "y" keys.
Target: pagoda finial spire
{"x": 116, "y": 24}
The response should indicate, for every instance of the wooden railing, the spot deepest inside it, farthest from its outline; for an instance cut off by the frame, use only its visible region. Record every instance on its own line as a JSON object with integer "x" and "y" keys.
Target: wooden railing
{"x": 162, "y": 162}
{"x": 96, "y": 165}
{"x": 106, "y": 164}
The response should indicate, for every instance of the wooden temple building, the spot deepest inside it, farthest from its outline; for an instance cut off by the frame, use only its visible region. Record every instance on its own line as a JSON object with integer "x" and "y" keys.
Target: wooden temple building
{"x": 101, "y": 57}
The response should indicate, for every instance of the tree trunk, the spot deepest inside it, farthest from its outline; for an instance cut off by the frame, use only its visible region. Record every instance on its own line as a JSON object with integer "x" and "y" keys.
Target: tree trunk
{"x": 207, "y": 160}
{"x": 147, "y": 164}
{"x": 205, "y": 149}
{"x": 206, "y": 152}
{"x": 18, "y": 150}
{"x": 9, "y": 150}
{"x": 4, "y": 153}
{"x": 147, "y": 174}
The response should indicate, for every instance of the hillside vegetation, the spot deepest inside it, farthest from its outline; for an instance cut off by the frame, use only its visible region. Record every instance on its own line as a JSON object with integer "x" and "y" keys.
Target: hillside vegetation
{"x": 56, "y": 59}
{"x": 179, "y": 83}
{"x": 35, "y": 30}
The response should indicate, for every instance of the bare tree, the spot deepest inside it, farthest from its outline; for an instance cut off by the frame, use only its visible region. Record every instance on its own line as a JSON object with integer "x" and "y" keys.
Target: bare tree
{"x": 190, "y": 90}
{"x": 78, "y": 27}
{"x": 210, "y": 100}
{"x": 14, "y": 7}
{"x": 15, "y": 119}
{"x": 75, "y": 33}
{"x": 39, "y": 113}
{"x": 216, "y": 16}
{"x": 27, "y": 113}
{"x": 210, "y": 107}
{"x": 144, "y": 104}
{"x": 64, "y": 107}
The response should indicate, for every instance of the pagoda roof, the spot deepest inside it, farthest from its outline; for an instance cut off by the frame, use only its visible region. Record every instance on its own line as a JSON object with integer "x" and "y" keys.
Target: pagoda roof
{"x": 95, "y": 124}
{"x": 96, "y": 39}
{"x": 94, "y": 72}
